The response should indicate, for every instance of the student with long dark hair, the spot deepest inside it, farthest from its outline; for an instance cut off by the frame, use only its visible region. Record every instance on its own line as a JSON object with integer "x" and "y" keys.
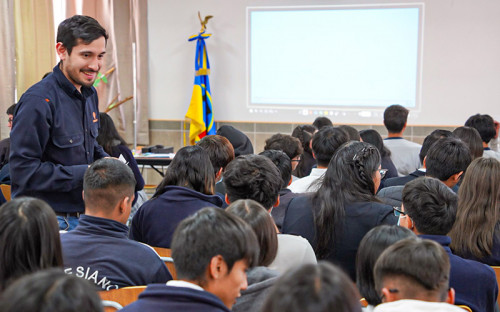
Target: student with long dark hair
{"x": 187, "y": 187}
{"x": 115, "y": 146}
{"x": 344, "y": 209}
{"x": 476, "y": 231}
{"x": 370, "y": 248}
{"x": 260, "y": 278}
{"x": 29, "y": 239}
{"x": 373, "y": 137}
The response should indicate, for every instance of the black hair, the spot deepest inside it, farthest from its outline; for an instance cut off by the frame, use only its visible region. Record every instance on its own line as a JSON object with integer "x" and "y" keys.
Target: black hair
{"x": 304, "y": 133}
{"x": 11, "y": 109}
{"x": 423, "y": 264}
{"x": 208, "y": 233}
{"x": 51, "y": 290}
{"x": 263, "y": 225}
{"x": 321, "y": 122}
{"x": 395, "y": 117}
{"x": 352, "y": 133}
{"x": 447, "y": 157}
{"x": 325, "y": 142}
{"x": 370, "y": 248}
{"x": 108, "y": 135}
{"x": 348, "y": 179}
{"x": 431, "y": 205}
{"x": 320, "y": 287}
{"x": 472, "y": 138}
{"x": 191, "y": 168}
{"x": 106, "y": 182}
{"x": 282, "y": 162}
{"x": 373, "y": 137}
{"x": 484, "y": 124}
{"x": 219, "y": 149}
{"x": 79, "y": 27}
{"x": 286, "y": 143}
{"x": 29, "y": 238}
{"x": 253, "y": 177}
{"x": 431, "y": 139}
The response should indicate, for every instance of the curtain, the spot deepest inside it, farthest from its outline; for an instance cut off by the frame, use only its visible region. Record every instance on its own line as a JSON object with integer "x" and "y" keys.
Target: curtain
{"x": 7, "y": 62}
{"x": 35, "y": 41}
{"x": 125, "y": 22}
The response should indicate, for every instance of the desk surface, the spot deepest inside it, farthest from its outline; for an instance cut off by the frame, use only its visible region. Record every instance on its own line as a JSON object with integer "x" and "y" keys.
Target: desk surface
{"x": 153, "y": 161}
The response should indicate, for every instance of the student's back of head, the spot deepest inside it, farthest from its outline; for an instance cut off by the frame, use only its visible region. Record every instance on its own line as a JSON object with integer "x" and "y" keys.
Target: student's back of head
{"x": 325, "y": 143}
{"x": 253, "y": 177}
{"x": 108, "y": 135}
{"x": 219, "y": 150}
{"x": 447, "y": 159}
{"x": 106, "y": 183}
{"x": 430, "y": 140}
{"x": 288, "y": 144}
{"x": 351, "y": 132}
{"x": 418, "y": 269}
{"x": 263, "y": 225}
{"x": 321, "y": 122}
{"x": 191, "y": 168}
{"x": 431, "y": 205}
{"x": 484, "y": 124}
{"x": 50, "y": 291}
{"x": 282, "y": 162}
{"x": 29, "y": 239}
{"x": 320, "y": 287}
{"x": 395, "y": 117}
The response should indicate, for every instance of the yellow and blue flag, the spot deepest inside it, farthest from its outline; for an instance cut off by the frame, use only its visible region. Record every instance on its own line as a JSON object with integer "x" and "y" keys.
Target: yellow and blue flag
{"x": 200, "y": 108}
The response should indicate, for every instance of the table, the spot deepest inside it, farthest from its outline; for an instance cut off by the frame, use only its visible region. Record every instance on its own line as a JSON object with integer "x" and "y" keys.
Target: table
{"x": 154, "y": 160}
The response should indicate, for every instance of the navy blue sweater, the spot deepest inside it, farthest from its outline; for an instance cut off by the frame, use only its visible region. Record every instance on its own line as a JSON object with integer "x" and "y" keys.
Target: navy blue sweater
{"x": 161, "y": 297}
{"x": 155, "y": 222}
{"x": 99, "y": 250}
{"x": 475, "y": 283}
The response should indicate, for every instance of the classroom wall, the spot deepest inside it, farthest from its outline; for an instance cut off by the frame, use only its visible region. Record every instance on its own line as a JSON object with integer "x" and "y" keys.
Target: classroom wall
{"x": 460, "y": 68}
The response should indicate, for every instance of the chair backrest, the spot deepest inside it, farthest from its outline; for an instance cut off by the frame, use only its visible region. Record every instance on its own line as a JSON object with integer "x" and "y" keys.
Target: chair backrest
{"x": 363, "y": 302}
{"x": 5, "y": 191}
{"x": 115, "y": 299}
{"x": 497, "y": 273}
{"x": 166, "y": 255}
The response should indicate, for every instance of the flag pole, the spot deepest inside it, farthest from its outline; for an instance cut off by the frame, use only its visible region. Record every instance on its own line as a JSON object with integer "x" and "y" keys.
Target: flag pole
{"x": 134, "y": 79}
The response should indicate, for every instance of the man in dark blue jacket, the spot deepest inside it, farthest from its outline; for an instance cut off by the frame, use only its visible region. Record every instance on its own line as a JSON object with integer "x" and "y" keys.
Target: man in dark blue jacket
{"x": 53, "y": 138}
{"x": 211, "y": 249}
{"x": 98, "y": 249}
{"x": 429, "y": 210}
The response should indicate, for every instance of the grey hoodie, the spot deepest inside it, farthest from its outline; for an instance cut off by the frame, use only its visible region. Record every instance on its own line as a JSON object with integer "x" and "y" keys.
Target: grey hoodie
{"x": 260, "y": 279}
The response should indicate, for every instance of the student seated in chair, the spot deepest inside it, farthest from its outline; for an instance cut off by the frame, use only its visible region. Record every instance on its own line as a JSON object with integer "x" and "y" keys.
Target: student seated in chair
{"x": 413, "y": 275}
{"x": 429, "y": 210}
{"x": 98, "y": 249}
{"x": 212, "y": 250}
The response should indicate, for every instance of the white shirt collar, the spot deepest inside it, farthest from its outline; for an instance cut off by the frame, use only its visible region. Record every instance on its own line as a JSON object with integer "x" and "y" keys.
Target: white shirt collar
{"x": 177, "y": 283}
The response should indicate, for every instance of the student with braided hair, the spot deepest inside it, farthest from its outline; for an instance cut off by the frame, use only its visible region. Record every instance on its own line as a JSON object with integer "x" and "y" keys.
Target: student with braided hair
{"x": 344, "y": 209}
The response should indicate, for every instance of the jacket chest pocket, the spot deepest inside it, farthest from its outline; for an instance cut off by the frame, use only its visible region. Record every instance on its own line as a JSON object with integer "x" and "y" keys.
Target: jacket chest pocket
{"x": 67, "y": 141}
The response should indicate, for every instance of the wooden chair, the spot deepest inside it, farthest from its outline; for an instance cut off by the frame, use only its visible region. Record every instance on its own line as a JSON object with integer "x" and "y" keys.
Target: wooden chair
{"x": 5, "y": 191}
{"x": 166, "y": 255}
{"x": 363, "y": 302}
{"x": 116, "y": 299}
{"x": 497, "y": 273}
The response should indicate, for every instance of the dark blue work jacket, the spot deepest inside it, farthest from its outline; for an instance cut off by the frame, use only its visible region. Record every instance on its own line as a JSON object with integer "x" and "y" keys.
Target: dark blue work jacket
{"x": 53, "y": 140}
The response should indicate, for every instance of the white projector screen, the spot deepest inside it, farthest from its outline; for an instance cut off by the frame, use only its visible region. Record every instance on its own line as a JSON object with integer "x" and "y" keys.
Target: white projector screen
{"x": 336, "y": 57}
